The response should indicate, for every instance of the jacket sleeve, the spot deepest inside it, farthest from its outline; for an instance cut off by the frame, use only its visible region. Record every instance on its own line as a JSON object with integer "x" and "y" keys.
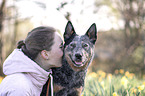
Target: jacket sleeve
{"x": 16, "y": 92}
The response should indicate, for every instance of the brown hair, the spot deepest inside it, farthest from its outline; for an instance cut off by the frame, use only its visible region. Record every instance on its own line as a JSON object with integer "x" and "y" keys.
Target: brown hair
{"x": 40, "y": 38}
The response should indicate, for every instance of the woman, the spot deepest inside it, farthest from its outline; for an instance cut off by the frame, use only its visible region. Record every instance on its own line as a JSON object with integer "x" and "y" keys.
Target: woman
{"x": 27, "y": 67}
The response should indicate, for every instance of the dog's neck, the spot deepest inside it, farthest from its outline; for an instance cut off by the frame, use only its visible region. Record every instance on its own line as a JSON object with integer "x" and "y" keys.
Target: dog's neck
{"x": 68, "y": 70}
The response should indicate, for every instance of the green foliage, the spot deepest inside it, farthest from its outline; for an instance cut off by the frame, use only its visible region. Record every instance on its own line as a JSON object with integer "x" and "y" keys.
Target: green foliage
{"x": 119, "y": 84}
{"x": 138, "y": 55}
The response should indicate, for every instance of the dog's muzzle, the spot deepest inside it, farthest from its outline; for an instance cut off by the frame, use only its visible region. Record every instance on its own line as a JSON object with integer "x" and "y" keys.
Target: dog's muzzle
{"x": 78, "y": 60}
{"x": 78, "y": 57}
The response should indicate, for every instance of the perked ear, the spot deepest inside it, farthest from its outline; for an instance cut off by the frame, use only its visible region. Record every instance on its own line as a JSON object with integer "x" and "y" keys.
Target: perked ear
{"x": 69, "y": 31}
{"x": 92, "y": 33}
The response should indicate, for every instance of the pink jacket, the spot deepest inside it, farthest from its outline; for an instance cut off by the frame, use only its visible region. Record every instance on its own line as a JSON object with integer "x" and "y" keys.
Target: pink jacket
{"x": 24, "y": 76}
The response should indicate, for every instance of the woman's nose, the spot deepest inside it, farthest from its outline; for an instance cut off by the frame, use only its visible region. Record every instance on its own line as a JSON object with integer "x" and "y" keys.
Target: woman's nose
{"x": 61, "y": 52}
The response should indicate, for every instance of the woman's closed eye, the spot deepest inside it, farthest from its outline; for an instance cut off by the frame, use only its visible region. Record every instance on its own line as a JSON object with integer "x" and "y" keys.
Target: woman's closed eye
{"x": 61, "y": 45}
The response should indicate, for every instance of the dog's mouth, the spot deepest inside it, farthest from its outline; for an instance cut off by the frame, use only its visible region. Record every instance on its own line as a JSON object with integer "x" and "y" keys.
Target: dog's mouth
{"x": 78, "y": 63}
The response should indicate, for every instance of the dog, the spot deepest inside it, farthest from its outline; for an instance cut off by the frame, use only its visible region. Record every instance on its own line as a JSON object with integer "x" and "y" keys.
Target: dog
{"x": 78, "y": 54}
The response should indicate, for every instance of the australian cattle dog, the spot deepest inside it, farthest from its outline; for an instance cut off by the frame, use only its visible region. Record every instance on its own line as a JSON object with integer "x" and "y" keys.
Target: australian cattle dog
{"x": 78, "y": 54}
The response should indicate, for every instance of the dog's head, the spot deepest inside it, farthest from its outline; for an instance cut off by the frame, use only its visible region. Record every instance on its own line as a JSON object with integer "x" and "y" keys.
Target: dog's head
{"x": 78, "y": 50}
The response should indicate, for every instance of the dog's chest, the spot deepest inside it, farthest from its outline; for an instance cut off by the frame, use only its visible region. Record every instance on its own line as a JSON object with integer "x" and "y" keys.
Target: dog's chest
{"x": 66, "y": 77}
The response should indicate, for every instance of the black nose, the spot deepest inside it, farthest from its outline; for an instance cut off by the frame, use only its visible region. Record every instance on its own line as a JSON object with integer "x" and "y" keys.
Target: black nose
{"x": 78, "y": 56}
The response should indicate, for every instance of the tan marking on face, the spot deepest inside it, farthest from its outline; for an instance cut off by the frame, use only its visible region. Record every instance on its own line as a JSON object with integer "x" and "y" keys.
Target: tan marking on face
{"x": 57, "y": 88}
{"x": 79, "y": 90}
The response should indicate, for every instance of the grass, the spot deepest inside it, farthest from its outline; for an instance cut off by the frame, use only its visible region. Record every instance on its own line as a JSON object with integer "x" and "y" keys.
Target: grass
{"x": 118, "y": 84}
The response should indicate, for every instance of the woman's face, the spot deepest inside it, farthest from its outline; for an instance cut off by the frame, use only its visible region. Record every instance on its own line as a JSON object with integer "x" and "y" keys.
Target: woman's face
{"x": 56, "y": 52}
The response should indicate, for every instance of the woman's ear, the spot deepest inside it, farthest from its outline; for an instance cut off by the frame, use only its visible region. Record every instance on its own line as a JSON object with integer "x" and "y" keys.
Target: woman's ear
{"x": 45, "y": 54}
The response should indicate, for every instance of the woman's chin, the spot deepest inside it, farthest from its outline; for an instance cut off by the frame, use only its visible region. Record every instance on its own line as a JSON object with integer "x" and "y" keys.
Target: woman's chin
{"x": 59, "y": 65}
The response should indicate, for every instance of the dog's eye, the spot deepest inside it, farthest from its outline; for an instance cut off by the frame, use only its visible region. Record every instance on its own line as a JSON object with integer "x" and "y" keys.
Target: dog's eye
{"x": 84, "y": 45}
{"x": 72, "y": 45}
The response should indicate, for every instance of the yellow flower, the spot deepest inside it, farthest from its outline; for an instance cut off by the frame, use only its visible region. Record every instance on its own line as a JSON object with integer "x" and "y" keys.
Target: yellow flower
{"x": 103, "y": 74}
{"x": 99, "y": 72}
{"x": 133, "y": 90}
{"x": 127, "y": 73}
{"x": 121, "y": 71}
{"x": 116, "y": 71}
{"x": 144, "y": 83}
{"x": 140, "y": 88}
{"x": 109, "y": 77}
{"x": 131, "y": 75}
{"x": 100, "y": 79}
{"x": 124, "y": 81}
{"x": 115, "y": 94}
{"x": 93, "y": 74}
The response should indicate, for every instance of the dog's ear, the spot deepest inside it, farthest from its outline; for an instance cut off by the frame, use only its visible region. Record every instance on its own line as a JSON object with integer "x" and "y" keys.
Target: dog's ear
{"x": 69, "y": 31}
{"x": 92, "y": 33}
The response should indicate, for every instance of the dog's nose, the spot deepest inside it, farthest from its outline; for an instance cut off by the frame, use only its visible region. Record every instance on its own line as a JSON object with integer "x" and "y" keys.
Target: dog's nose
{"x": 78, "y": 56}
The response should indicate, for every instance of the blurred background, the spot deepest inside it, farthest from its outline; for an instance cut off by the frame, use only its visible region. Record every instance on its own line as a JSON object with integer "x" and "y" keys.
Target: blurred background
{"x": 120, "y": 25}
